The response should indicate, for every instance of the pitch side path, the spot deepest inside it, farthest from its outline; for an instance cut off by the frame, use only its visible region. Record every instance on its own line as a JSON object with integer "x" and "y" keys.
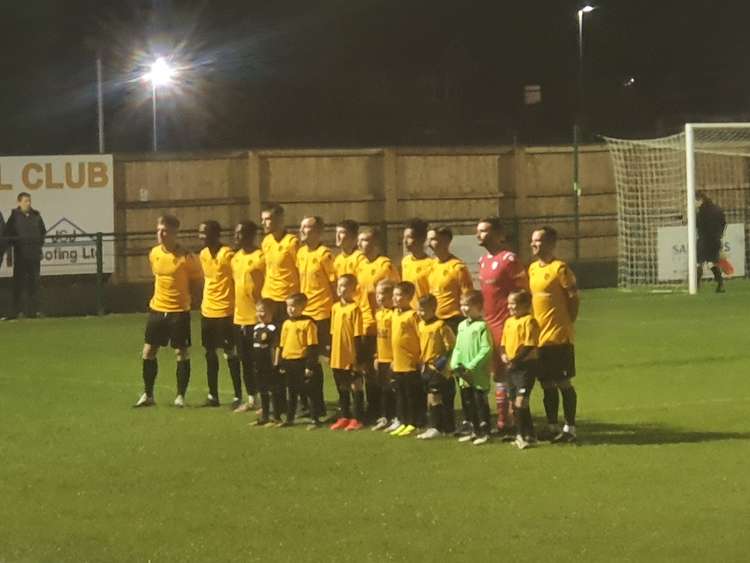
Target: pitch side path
{"x": 661, "y": 472}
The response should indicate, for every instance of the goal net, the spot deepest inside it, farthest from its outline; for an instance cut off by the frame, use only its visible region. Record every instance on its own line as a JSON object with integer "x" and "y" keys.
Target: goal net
{"x": 656, "y": 182}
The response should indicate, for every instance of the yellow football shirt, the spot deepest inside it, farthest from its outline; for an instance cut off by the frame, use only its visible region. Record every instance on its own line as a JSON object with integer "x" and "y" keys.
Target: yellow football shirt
{"x": 550, "y": 285}
{"x": 346, "y": 326}
{"x": 405, "y": 341}
{"x": 247, "y": 269}
{"x": 520, "y": 332}
{"x": 316, "y": 276}
{"x": 218, "y": 283}
{"x": 383, "y": 319}
{"x": 347, "y": 263}
{"x": 447, "y": 282}
{"x": 297, "y": 335}
{"x": 282, "y": 278}
{"x": 435, "y": 339}
{"x": 417, "y": 271}
{"x": 173, "y": 272}
{"x": 368, "y": 275}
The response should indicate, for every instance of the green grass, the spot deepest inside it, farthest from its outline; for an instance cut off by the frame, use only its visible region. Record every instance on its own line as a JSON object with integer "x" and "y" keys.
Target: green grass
{"x": 662, "y": 472}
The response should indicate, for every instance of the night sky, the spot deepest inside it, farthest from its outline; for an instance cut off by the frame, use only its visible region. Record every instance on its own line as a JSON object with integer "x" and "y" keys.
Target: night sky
{"x": 298, "y": 73}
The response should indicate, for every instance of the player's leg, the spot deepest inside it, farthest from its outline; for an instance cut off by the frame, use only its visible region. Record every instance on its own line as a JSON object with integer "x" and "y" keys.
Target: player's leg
{"x": 156, "y": 335}
{"x": 243, "y": 343}
{"x": 233, "y": 361}
{"x": 209, "y": 338}
{"x": 318, "y": 382}
{"x": 390, "y": 402}
{"x": 501, "y": 393}
{"x": 483, "y": 414}
{"x": 180, "y": 341}
{"x": 373, "y": 388}
{"x": 434, "y": 405}
{"x": 342, "y": 378}
{"x": 278, "y": 393}
{"x": 401, "y": 402}
{"x": 469, "y": 409}
{"x": 264, "y": 382}
{"x": 569, "y": 395}
{"x": 358, "y": 392}
{"x": 449, "y": 400}
{"x": 387, "y": 400}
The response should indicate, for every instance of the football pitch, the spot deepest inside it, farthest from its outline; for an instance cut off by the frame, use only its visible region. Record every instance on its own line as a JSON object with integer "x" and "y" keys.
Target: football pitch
{"x": 661, "y": 473}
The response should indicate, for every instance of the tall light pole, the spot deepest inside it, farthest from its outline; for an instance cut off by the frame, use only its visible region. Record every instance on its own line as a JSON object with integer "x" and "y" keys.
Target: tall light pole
{"x": 160, "y": 74}
{"x": 577, "y": 130}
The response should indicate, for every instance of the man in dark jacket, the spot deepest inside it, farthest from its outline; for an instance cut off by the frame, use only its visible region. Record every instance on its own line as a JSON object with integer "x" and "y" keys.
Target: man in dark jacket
{"x": 710, "y": 224}
{"x": 25, "y": 232}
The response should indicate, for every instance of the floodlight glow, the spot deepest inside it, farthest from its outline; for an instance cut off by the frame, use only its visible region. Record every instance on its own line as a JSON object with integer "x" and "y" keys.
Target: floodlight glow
{"x": 161, "y": 73}
{"x": 587, "y": 8}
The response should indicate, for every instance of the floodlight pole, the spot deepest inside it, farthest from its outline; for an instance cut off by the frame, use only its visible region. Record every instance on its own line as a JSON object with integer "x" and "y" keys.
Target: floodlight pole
{"x": 99, "y": 103}
{"x": 577, "y": 135}
{"x": 153, "y": 115}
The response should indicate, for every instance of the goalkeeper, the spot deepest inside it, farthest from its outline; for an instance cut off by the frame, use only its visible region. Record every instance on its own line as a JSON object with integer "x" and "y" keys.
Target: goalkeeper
{"x": 710, "y": 224}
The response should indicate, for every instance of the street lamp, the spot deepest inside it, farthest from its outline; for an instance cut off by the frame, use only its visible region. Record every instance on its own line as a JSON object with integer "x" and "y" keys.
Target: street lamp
{"x": 160, "y": 74}
{"x": 577, "y": 129}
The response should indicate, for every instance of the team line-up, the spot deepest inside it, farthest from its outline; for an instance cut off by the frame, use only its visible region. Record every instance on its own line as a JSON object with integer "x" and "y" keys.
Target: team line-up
{"x": 400, "y": 345}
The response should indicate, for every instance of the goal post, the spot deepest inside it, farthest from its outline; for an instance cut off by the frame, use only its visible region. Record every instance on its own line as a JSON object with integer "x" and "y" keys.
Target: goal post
{"x": 657, "y": 181}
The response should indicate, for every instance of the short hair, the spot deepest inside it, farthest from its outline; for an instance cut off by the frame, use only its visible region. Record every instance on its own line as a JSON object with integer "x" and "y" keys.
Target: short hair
{"x": 472, "y": 297}
{"x": 250, "y": 226}
{"x": 374, "y": 231}
{"x": 418, "y": 227}
{"x": 349, "y": 225}
{"x": 319, "y": 223}
{"x": 548, "y": 233}
{"x": 428, "y": 301}
{"x": 445, "y": 232}
{"x": 386, "y": 284}
{"x": 522, "y": 297}
{"x": 268, "y": 305}
{"x": 22, "y": 195}
{"x": 349, "y": 278}
{"x": 274, "y": 208}
{"x": 297, "y": 298}
{"x": 406, "y": 288}
{"x": 212, "y": 226}
{"x": 496, "y": 225}
{"x": 168, "y": 221}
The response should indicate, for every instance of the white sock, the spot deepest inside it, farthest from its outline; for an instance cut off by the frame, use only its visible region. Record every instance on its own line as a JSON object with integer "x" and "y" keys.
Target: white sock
{"x": 569, "y": 429}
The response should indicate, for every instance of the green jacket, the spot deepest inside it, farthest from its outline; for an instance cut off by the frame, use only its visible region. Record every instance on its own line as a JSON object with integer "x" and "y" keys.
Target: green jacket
{"x": 473, "y": 351}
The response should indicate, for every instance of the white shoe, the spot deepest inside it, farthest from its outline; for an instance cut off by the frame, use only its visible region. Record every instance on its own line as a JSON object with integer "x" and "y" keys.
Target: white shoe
{"x": 429, "y": 434}
{"x": 179, "y": 401}
{"x": 250, "y": 402}
{"x": 380, "y": 424}
{"x": 521, "y": 443}
{"x": 144, "y": 401}
{"x": 468, "y": 438}
{"x": 481, "y": 440}
{"x": 395, "y": 423}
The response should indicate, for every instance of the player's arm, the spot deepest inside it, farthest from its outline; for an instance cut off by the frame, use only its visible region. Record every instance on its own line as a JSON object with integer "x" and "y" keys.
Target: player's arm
{"x": 329, "y": 270}
{"x": 465, "y": 282}
{"x": 312, "y": 351}
{"x": 570, "y": 286}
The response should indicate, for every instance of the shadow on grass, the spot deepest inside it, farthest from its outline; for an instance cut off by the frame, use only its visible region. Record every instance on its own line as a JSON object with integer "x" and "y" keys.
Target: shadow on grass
{"x": 594, "y": 432}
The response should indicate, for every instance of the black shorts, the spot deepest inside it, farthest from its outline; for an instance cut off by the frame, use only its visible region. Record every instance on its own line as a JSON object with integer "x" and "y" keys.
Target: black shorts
{"x": 708, "y": 250}
{"x": 521, "y": 379}
{"x": 217, "y": 333}
{"x": 435, "y": 381}
{"x": 383, "y": 375}
{"x": 324, "y": 336}
{"x": 344, "y": 377}
{"x": 556, "y": 362}
{"x": 172, "y": 329}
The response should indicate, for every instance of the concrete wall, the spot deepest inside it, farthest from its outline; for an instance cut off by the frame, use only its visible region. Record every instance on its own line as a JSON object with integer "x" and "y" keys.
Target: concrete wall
{"x": 527, "y": 186}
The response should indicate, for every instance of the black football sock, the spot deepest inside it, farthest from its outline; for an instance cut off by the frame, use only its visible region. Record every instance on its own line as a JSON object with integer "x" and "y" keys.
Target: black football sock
{"x": 233, "y": 362}
{"x": 265, "y": 404}
{"x": 717, "y": 273}
{"x": 374, "y": 401}
{"x": 212, "y": 373}
{"x": 434, "y": 414}
{"x": 183, "y": 376}
{"x": 292, "y": 396}
{"x": 150, "y": 369}
{"x": 248, "y": 376}
{"x": 316, "y": 391}
{"x": 483, "y": 411}
{"x": 345, "y": 403}
{"x": 468, "y": 401}
{"x": 359, "y": 405}
{"x": 570, "y": 403}
{"x": 402, "y": 404}
{"x": 551, "y": 404}
{"x": 389, "y": 403}
{"x": 278, "y": 400}
{"x": 524, "y": 426}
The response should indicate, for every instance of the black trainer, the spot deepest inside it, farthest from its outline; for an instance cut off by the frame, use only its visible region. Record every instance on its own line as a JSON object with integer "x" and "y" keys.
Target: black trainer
{"x": 564, "y": 438}
{"x": 211, "y": 402}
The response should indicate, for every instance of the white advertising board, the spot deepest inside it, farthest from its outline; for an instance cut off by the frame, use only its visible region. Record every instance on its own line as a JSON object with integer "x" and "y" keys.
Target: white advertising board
{"x": 672, "y": 251}
{"x": 75, "y": 197}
